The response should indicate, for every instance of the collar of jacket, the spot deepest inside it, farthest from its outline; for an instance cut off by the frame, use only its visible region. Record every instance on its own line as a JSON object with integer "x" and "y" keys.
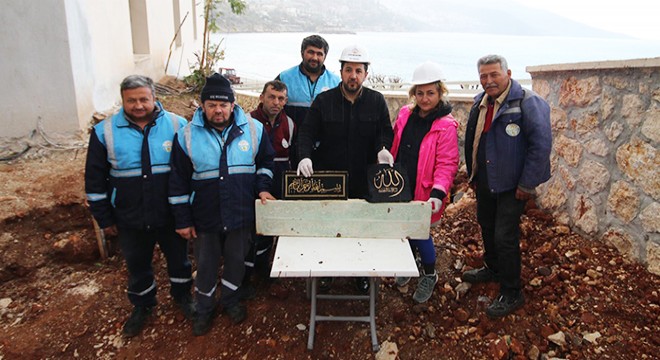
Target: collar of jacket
{"x": 300, "y": 68}
{"x": 260, "y": 115}
{"x": 124, "y": 120}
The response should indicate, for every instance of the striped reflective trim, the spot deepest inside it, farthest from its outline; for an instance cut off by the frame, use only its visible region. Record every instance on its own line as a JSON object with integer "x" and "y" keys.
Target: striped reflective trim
{"x": 212, "y": 174}
{"x": 109, "y": 142}
{"x": 264, "y": 171}
{"x": 180, "y": 280}
{"x": 253, "y": 134}
{"x": 160, "y": 169}
{"x": 187, "y": 135}
{"x": 208, "y": 294}
{"x": 96, "y": 197}
{"x": 113, "y": 197}
{"x": 291, "y": 129}
{"x": 281, "y": 159}
{"x": 229, "y": 285}
{"x": 303, "y": 104}
{"x": 262, "y": 251}
{"x": 242, "y": 169}
{"x": 192, "y": 197}
{"x": 175, "y": 123}
{"x": 125, "y": 173}
{"x": 249, "y": 264}
{"x": 176, "y": 200}
{"x": 145, "y": 292}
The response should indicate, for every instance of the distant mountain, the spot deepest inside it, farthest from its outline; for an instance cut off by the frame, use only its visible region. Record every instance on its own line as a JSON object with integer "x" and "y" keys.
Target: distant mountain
{"x": 503, "y": 17}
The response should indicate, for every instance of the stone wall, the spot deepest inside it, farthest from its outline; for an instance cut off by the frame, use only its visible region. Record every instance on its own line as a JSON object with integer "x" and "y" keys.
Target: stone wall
{"x": 606, "y": 130}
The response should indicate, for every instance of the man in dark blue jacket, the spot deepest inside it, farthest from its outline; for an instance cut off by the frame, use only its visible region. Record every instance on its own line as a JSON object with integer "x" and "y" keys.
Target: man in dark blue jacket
{"x": 126, "y": 179}
{"x": 221, "y": 162}
{"x": 508, "y": 141}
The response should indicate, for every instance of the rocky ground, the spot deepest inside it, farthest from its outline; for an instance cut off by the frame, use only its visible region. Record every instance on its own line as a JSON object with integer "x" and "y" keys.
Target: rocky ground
{"x": 58, "y": 299}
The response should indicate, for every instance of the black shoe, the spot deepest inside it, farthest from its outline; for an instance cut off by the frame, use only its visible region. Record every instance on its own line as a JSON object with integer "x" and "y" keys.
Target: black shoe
{"x": 136, "y": 321}
{"x": 202, "y": 323}
{"x": 481, "y": 275}
{"x": 325, "y": 283}
{"x": 187, "y": 306}
{"x": 237, "y": 313}
{"x": 362, "y": 285}
{"x": 505, "y": 305}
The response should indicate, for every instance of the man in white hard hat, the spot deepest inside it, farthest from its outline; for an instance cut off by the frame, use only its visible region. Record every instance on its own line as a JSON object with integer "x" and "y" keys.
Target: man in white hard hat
{"x": 350, "y": 128}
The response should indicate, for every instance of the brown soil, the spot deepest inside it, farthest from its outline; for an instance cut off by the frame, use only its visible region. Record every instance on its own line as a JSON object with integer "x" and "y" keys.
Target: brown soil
{"x": 58, "y": 299}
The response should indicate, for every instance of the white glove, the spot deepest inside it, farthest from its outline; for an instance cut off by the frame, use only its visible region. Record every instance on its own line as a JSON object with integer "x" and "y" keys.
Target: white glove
{"x": 384, "y": 157}
{"x": 436, "y": 204}
{"x": 305, "y": 167}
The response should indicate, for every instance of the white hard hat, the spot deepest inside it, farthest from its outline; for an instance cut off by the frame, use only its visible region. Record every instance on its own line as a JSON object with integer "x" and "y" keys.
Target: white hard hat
{"x": 427, "y": 73}
{"x": 355, "y": 53}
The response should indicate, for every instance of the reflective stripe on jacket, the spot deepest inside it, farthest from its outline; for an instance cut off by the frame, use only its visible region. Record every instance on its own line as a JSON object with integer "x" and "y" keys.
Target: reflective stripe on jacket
{"x": 127, "y": 169}
{"x": 217, "y": 176}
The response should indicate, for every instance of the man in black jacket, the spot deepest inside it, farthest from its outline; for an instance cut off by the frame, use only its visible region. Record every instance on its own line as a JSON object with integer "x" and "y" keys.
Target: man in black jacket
{"x": 347, "y": 128}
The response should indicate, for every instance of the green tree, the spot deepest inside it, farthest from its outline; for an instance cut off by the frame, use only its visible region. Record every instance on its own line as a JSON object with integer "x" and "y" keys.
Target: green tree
{"x": 210, "y": 53}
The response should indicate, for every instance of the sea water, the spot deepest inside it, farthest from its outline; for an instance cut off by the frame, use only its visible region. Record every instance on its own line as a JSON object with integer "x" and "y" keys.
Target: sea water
{"x": 262, "y": 56}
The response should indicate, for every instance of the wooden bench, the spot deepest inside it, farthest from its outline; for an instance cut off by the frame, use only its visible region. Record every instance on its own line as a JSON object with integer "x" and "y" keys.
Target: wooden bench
{"x": 351, "y": 238}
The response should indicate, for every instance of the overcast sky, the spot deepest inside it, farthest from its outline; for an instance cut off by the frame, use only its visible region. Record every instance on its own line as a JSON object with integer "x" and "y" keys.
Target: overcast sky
{"x": 638, "y": 18}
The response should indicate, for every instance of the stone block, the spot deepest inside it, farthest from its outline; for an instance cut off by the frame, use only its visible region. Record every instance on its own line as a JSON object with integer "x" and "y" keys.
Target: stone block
{"x": 343, "y": 218}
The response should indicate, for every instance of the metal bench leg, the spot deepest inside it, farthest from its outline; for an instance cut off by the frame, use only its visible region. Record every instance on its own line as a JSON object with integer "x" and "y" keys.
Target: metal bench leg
{"x": 312, "y": 316}
{"x": 372, "y": 313}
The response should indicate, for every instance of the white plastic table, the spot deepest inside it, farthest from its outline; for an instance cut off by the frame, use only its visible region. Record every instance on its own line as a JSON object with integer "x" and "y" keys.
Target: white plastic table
{"x": 315, "y": 257}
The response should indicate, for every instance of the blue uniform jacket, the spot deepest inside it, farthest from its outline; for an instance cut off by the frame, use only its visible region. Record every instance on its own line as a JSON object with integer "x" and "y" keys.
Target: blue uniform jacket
{"x": 127, "y": 170}
{"x": 301, "y": 91}
{"x": 217, "y": 176}
{"x": 518, "y": 143}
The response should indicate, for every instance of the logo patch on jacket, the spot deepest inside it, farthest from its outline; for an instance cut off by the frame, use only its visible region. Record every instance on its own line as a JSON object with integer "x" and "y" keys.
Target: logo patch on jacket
{"x": 243, "y": 145}
{"x": 167, "y": 146}
{"x": 513, "y": 130}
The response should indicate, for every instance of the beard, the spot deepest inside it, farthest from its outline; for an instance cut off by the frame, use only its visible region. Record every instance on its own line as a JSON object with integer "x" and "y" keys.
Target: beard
{"x": 351, "y": 88}
{"x": 311, "y": 68}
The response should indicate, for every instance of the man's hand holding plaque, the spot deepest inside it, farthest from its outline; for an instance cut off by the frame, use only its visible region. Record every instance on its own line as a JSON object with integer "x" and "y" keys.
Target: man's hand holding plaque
{"x": 305, "y": 167}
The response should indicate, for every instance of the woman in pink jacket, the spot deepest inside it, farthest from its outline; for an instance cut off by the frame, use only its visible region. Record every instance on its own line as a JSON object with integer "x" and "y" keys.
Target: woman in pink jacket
{"x": 426, "y": 145}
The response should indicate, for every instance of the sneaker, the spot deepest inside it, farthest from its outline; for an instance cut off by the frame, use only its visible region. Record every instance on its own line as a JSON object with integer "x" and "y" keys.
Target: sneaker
{"x": 481, "y": 275}
{"x": 505, "y": 305}
{"x": 425, "y": 287}
{"x": 362, "y": 285}
{"x": 202, "y": 323}
{"x": 402, "y": 281}
{"x": 187, "y": 306}
{"x": 136, "y": 321}
{"x": 237, "y": 313}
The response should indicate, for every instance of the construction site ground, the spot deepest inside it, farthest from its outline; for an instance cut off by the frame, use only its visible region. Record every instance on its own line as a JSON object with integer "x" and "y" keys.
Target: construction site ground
{"x": 59, "y": 299}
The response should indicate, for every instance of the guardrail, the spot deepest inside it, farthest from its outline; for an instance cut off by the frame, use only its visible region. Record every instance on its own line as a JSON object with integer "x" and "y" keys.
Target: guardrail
{"x": 454, "y": 87}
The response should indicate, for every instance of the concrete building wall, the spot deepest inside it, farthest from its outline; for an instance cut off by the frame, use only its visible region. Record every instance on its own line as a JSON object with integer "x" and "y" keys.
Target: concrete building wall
{"x": 63, "y": 60}
{"x": 36, "y": 66}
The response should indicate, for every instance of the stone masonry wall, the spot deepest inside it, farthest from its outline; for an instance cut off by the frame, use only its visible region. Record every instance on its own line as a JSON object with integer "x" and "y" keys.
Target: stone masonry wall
{"x": 606, "y": 130}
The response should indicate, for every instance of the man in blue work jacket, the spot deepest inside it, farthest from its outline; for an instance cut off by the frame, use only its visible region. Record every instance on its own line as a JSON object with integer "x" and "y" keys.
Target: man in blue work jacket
{"x": 221, "y": 162}
{"x": 508, "y": 140}
{"x": 305, "y": 81}
{"x": 126, "y": 179}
